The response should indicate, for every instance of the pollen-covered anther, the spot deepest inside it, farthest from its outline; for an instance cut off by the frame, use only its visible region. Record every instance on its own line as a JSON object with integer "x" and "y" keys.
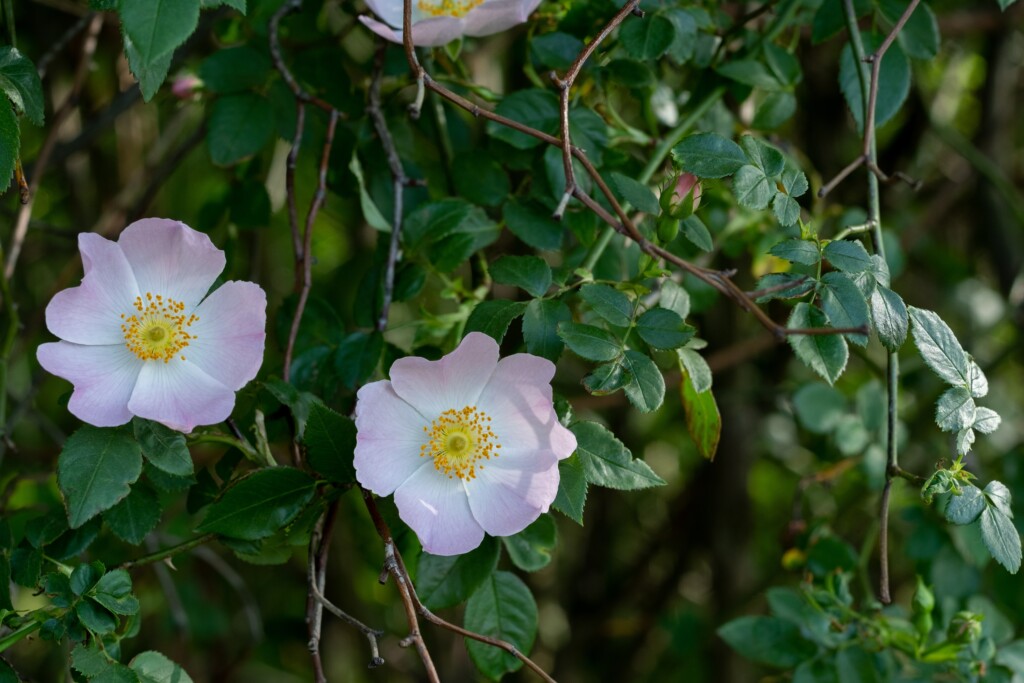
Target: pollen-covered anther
{"x": 447, "y": 8}
{"x": 458, "y": 440}
{"x": 157, "y": 328}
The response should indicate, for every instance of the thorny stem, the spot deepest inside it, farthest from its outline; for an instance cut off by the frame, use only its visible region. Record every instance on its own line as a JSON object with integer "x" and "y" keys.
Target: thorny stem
{"x": 869, "y": 95}
{"x": 870, "y": 81}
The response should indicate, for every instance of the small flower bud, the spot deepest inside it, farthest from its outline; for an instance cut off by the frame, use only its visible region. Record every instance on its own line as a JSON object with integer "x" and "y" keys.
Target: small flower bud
{"x": 668, "y": 228}
{"x": 184, "y": 87}
{"x": 681, "y": 196}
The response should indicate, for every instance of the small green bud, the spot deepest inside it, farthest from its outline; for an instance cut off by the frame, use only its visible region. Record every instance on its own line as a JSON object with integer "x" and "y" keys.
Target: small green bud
{"x": 924, "y": 599}
{"x": 668, "y": 228}
{"x": 965, "y": 627}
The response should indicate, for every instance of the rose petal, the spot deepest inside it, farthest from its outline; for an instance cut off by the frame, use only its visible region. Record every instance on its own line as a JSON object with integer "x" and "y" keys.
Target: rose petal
{"x": 389, "y": 11}
{"x": 389, "y": 433}
{"x": 91, "y": 313}
{"x": 180, "y": 395}
{"x": 506, "y": 501}
{"x": 437, "y": 509}
{"x": 436, "y": 31}
{"x": 518, "y": 400}
{"x": 454, "y": 382}
{"x": 103, "y": 378}
{"x": 495, "y": 16}
{"x": 171, "y": 259}
{"x": 230, "y": 334}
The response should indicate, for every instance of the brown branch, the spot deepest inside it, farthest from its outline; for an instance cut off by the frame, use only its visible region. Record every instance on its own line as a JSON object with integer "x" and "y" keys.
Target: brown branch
{"x": 63, "y": 112}
{"x": 875, "y": 60}
{"x": 300, "y": 93}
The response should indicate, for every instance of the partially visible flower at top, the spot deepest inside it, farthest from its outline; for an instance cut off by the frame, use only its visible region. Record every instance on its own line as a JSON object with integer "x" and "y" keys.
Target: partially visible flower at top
{"x": 185, "y": 86}
{"x": 438, "y": 22}
{"x": 139, "y": 338}
{"x": 468, "y": 444}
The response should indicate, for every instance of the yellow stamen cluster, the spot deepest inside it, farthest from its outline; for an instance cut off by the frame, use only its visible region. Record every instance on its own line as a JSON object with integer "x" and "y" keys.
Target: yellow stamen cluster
{"x": 157, "y": 329}
{"x": 447, "y": 8}
{"x": 459, "y": 440}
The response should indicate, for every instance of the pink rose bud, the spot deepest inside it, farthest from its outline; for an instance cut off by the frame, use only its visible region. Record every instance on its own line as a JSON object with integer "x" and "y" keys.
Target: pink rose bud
{"x": 185, "y": 86}
{"x": 686, "y": 184}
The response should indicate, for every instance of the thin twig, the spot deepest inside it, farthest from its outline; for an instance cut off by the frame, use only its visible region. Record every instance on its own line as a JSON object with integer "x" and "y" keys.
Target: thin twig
{"x": 62, "y": 113}
{"x": 372, "y": 634}
{"x": 869, "y": 91}
{"x": 168, "y": 553}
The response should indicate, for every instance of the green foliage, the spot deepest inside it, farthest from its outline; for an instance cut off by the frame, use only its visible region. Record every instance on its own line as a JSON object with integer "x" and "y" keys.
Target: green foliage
{"x": 504, "y": 608}
{"x": 607, "y": 462}
{"x": 893, "y": 80}
{"x": 330, "y": 440}
{"x": 20, "y": 82}
{"x": 240, "y": 125}
{"x": 95, "y": 470}
{"x": 446, "y": 581}
{"x": 10, "y": 142}
{"x": 259, "y": 504}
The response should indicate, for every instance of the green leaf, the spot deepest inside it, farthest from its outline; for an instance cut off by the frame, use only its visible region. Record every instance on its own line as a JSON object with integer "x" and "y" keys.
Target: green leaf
{"x": 819, "y": 407}
{"x": 260, "y": 504}
{"x": 453, "y": 229}
{"x": 816, "y": 671}
{"x": 446, "y": 581}
{"x": 10, "y": 143}
{"x": 152, "y": 666}
{"x": 999, "y": 496}
{"x": 493, "y": 317}
{"x": 752, "y": 187}
{"x": 647, "y": 39}
{"x": 84, "y": 576}
{"x": 786, "y": 209}
{"x": 88, "y": 661}
{"x": 674, "y": 298}
{"x": 703, "y": 421}
{"x": 1003, "y": 4}
{"x": 749, "y": 72}
{"x": 645, "y": 387}
{"x": 919, "y": 37}
{"x": 939, "y": 347}
{"x": 606, "y": 378}
{"x": 95, "y": 469}
{"x": 696, "y": 232}
{"x": 826, "y": 354}
{"x": 163, "y": 448}
{"x": 535, "y": 227}
{"x": 893, "y": 80}
{"x": 986, "y": 420}
{"x": 609, "y": 303}
{"x": 540, "y": 327}
{"x": 844, "y": 305}
{"x": 708, "y": 155}
{"x": 967, "y": 507}
{"x": 589, "y": 342}
{"x": 798, "y": 251}
{"x": 135, "y": 516}
{"x": 114, "y": 591}
{"x": 20, "y": 81}
{"x": 151, "y": 75}
{"x": 5, "y": 583}
{"x": 783, "y": 286}
{"x": 768, "y": 640}
{"x": 240, "y": 125}
{"x": 856, "y": 665}
{"x": 697, "y": 368}
{"x": 531, "y": 548}
{"x": 330, "y": 440}
{"x": 1001, "y": 538}
{"x": 607, "y": 462}
{"x": 572, "y": 489}
{"x": 535, "y": 108}
{"x": 298, "y": 402}
{"x": 502, "y": 607}
{"x": 636, "y": 193}
{"x": 763, "y": 156}
{"x": 357, "y": 357}
{"x": 234, "y": 4}
{"x": 774, "y": 109}
{"x": 157, "y": 27}
{"x": 235, "y": 69}
{"x": 830, "y": 18}
{"x": 889, "y": 314}
{"x": 663, "y": 329}
{"x": 95, "y": 618}
{"x": 955, "y": 410}
{"x": 530, "y": 273}
{"x": 848, "y": 256}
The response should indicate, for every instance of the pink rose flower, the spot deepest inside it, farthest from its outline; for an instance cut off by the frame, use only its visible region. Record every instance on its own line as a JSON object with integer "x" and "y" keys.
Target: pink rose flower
{"x": 184, "y": 87}
{"x": 468, "y": 444}
{"x": 139, "y": 338}
{"x": 438, "y": 22}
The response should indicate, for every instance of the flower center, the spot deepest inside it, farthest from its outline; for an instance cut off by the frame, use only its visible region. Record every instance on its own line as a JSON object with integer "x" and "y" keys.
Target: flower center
{"x": 157, "y": 328}
{"x": 459, "y": 440}
{"x": 447, "y": 8}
